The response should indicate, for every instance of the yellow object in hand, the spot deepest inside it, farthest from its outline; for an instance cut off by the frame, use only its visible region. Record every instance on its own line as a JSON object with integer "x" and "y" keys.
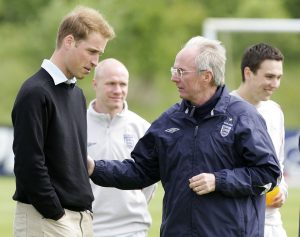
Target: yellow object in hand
{"x": 270, "y": 195}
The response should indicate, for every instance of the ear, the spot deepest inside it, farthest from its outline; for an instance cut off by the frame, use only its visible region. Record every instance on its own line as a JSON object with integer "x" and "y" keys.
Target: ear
{"x": 94, "y": 83}
{"x": 247, "y": 73}
{"x": 208, "y": 77}
{"x": 69, "y": 41}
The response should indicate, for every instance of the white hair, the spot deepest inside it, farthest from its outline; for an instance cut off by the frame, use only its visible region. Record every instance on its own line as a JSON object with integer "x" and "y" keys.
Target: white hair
{"x": 211, "y": 56}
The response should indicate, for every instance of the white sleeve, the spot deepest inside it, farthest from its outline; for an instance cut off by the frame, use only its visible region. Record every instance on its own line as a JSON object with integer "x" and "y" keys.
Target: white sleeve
{"x": 149, "y": 192}
{"x": 283, "y": 185}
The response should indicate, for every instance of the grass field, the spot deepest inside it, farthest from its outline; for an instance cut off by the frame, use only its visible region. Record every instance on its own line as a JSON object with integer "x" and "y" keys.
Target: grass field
{"x": 290, "y": 211}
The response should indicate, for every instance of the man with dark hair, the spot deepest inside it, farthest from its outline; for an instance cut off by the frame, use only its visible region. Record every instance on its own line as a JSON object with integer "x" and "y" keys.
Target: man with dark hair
{"x": 53, "y": 193}
{"x": 262, "y": 71}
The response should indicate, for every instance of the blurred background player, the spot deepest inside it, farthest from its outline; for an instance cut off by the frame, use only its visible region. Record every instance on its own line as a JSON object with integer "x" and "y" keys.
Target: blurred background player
{"x": 262, "y": 69}
{"x": 113, "y": 131}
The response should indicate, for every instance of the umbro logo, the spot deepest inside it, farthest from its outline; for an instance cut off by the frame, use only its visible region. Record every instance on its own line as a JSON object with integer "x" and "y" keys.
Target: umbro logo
{"x": 172, "y": 130}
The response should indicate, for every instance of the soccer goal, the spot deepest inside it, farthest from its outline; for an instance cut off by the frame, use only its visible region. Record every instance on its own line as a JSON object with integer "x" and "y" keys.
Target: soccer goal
{"x": 212, "y": 26}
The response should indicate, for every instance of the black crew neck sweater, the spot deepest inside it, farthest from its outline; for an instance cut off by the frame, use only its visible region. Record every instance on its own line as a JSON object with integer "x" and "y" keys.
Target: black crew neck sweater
{"x": 50, "y": 147}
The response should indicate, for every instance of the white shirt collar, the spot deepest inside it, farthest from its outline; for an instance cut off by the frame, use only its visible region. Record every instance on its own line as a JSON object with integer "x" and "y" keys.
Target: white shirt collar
{"x": 57, "y": 75}
{"x": 93, "y": 112}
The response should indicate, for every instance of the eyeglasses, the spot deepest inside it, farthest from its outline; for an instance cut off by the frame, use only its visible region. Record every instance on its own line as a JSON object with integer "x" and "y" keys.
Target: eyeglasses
{"x": 178, "y": 72}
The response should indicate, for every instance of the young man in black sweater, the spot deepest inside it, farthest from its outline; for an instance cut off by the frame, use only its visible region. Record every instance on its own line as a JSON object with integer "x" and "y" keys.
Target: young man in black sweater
{"x": 53, "y": 192}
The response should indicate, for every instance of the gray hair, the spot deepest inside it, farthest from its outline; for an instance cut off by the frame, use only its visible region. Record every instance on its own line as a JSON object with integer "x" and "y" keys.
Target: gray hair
{"x": 211, "y": 56}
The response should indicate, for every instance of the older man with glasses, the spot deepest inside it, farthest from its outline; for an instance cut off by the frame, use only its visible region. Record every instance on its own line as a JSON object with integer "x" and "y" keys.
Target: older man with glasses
{"x": 211, "y": 152}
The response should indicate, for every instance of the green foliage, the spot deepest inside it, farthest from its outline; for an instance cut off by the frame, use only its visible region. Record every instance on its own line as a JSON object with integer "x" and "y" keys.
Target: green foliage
{"x": 153, "y": 32}
{"x": 261, "y": 9}
{"x": 21, "y": 11}
{"x": 225, "y": 8}
{"x": 149, "y": 34}
{"x": 293, "y": 7}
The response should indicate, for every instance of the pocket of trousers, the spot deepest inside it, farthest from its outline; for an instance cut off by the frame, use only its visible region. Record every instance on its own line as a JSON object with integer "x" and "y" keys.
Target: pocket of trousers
{"x": 60, "y": 228}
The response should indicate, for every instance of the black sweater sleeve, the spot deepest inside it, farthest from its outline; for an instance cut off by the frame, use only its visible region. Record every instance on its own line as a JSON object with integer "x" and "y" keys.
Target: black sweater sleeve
{"x": 30, "y": 117}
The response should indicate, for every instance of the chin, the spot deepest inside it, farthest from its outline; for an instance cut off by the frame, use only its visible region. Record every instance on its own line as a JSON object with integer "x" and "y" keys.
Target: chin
{"x": 181, "y": 96}
{"x": 266, "y": 98}
{"x": 79, "y": 77}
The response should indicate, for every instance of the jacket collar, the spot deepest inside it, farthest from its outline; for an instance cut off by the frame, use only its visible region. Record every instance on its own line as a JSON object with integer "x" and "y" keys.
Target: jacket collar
{"x": 219, "y": 108}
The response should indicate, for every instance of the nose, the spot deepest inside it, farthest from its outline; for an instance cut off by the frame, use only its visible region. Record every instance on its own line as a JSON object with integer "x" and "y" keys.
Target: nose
{"x": 95, "y": 60}
{"x": 275, "y": 83}
{"x": 117, "y": 89}
{"x": 174, "y": 78}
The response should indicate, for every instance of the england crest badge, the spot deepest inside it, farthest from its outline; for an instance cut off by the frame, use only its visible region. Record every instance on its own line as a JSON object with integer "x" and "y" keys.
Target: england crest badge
{"x": 129, "y": 140}
{"x": 226, "y": 127}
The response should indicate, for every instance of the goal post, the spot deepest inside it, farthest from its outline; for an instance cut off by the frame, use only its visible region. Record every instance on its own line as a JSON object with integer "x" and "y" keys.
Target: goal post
{"x": 212, "y": 26}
